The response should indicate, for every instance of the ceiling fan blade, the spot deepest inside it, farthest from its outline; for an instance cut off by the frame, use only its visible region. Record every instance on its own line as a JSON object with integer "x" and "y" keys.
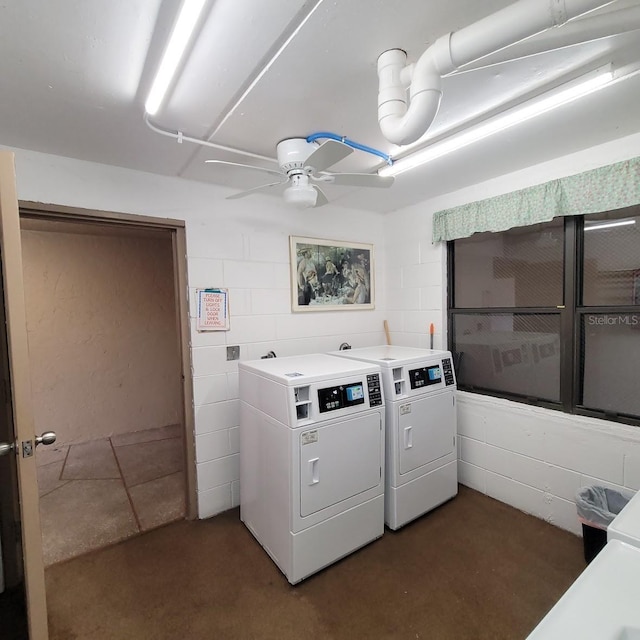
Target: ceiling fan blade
{"x": 327, "y": 154}
{"x": 262, "y": 187}
{"x": 245, "y": 166}
{"x": 322, "y": 199}
{"x": 358, "y": 180}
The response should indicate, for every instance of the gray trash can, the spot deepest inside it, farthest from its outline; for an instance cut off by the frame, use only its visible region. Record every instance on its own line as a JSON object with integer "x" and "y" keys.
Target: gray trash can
{"x": 597, "y": 507}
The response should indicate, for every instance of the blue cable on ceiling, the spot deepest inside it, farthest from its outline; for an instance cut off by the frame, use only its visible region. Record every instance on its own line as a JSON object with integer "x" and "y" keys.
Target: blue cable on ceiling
{"x": 355, "y": 145}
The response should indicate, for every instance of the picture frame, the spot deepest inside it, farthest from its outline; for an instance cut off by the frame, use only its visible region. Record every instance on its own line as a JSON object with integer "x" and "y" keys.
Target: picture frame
{"x": 636, "y": 287}
{"x": 331, "y": 275}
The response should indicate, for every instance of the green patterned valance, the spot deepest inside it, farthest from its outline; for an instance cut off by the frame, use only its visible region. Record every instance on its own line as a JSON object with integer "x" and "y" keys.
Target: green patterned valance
{"x": 612, "y": 187}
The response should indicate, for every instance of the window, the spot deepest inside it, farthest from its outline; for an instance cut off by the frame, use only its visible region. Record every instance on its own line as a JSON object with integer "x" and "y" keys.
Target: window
{"x": 550, "y": 314}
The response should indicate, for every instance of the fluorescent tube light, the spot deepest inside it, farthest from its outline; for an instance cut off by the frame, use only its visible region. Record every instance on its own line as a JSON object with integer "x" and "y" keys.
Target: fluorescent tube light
{"x": 180, "y": 36}
{"x": 546, "y": 102}
{"x": 607, "y": 225}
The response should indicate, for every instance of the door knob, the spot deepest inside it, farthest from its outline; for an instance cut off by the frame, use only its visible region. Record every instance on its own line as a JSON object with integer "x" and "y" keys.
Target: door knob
{"x": 6, "y": 447}
{"x": 48, "y": 437}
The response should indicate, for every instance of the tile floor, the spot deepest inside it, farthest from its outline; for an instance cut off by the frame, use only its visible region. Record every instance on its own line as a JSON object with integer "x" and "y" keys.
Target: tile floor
{"x": 95, "y": 493}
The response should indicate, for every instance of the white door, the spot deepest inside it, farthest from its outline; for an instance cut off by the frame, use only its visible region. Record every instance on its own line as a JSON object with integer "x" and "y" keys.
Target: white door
{"x": 426, "y": 430}
{"x": 23, "y": 567}
{"x": 338, "y": 461}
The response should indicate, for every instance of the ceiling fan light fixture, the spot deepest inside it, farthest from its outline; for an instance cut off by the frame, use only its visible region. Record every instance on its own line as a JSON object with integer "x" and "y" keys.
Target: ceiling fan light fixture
{"x": 301, "y": 197}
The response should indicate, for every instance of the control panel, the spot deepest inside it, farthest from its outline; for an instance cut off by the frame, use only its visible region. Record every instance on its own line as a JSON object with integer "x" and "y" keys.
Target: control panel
{"x": 448, "y": 372}
{"x": 344, "y": 395}
{"x": 375, "y": 392}
{"x": 425, "y": 376}
{"x": 429, "y": 376}
{"x": 349, "y": 395}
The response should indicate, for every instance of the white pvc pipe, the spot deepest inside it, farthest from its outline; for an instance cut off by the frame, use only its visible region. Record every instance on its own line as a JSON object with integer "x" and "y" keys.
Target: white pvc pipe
{"x": 578, "y": 31}
{"x": 514, "y": 23}
{"x": 403, "y": 124}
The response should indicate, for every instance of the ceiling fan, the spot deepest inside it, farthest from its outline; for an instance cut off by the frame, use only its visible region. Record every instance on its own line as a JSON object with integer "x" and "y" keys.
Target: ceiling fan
{"x": 302, "y": 165}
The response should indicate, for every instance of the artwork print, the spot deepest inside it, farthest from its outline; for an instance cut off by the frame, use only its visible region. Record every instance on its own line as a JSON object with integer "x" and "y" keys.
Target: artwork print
{"x": 330, "y": 275}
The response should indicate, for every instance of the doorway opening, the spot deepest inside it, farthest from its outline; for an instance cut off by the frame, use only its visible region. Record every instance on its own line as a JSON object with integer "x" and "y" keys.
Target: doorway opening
{"x": 108, "y": 348}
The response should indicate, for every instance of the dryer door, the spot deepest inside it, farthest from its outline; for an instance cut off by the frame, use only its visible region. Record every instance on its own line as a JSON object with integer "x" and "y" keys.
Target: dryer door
{"x": 426, "y": 430}
{"x": 338, "y": 461}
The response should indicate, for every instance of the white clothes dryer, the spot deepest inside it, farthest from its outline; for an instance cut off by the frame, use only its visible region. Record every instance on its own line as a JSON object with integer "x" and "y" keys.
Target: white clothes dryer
{"x": 421, "y": 455}
{"x": 311, "y": 458}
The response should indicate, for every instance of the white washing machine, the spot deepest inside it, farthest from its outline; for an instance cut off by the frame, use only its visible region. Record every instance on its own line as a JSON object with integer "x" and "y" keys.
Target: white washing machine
{"x": 626, "y": 525}
{"x": 602, "y": 604}
{"x": 311, "y": 458}
{"x": 421, "y": 456}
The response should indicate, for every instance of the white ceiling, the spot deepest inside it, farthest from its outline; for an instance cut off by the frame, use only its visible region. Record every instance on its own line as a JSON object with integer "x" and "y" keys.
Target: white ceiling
{"x": 75, "y": 75}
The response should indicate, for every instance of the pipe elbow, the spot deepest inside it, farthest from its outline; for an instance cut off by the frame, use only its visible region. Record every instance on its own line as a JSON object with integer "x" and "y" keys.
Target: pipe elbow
{"x": 403, "y": 124}
{"x": 405, "y": 128}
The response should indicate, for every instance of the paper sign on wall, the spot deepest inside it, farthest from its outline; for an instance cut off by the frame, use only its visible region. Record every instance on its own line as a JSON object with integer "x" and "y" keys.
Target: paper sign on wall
{"x": 213, "y": 310}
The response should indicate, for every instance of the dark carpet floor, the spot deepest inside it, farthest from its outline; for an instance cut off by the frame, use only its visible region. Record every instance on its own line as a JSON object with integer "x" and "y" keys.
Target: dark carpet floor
{"x": 474, "y": 568}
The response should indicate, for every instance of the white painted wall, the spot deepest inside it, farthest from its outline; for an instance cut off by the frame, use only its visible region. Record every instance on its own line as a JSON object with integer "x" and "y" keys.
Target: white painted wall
{"x": 536, "y": 459}
{"x": 416, "y": 271}
{"x": 242, "y": 245}
{"x": 531, "y": 458}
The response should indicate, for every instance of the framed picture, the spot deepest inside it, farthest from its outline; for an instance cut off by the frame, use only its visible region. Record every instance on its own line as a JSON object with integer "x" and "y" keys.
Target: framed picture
{"x": 329, "y": 275}
{"x": 636, "y": 287}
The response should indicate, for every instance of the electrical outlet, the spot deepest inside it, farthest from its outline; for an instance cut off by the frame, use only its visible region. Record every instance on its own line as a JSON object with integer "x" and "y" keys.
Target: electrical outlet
{"x": 233, "y": 353}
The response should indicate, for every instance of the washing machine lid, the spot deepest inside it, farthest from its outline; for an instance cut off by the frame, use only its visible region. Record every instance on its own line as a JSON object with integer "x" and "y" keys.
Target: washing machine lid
{"x": 626, "y": 525}
{"x": 602, "y": 604}
{"x": 295, "y": 370}
{"x": 390, "y": 356}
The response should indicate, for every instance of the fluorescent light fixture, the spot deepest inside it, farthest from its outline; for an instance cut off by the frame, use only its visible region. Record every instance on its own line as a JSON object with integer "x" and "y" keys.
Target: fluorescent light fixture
{"x": 180, "y": 36}
{"x": 607, "y": 225}
{"x": 546, "y": 102}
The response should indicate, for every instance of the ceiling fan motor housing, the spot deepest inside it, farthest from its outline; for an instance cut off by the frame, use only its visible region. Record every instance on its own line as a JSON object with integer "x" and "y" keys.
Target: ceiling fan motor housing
{"x": 293, "y": 153}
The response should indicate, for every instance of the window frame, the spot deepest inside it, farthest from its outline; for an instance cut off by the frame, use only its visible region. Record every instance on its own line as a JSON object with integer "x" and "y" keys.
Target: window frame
{"x": 571, "y": 313}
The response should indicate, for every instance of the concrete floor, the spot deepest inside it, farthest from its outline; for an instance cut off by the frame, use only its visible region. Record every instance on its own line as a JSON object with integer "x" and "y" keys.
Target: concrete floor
{"x": 95, "y": 493}
{"x": 472, "y": 569}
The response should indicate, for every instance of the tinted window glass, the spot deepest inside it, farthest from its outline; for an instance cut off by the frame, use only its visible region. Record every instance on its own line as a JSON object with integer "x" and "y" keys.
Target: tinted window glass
{"x": 611, "y": 265}
{"x": 510, "y": 353}
{"x": 522, "y": 267}
{"x": 610, "y": 356}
